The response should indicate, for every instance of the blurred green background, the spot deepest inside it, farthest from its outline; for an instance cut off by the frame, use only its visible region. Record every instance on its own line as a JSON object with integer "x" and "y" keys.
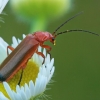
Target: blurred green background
{"x": 77, "y": 54}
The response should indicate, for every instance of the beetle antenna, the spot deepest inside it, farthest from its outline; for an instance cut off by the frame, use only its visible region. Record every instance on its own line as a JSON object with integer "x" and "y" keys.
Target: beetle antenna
{"x": 77, "y": 30}
{"x": 67, "y": 21}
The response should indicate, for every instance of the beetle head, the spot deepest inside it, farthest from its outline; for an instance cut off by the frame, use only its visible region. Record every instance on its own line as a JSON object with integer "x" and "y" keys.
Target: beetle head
{"x": 44, "y": 36}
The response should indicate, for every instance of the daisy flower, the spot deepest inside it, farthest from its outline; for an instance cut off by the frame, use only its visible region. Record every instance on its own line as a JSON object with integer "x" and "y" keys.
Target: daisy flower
{"x": 35, "y": 77}
{"x": 2, "y": 5}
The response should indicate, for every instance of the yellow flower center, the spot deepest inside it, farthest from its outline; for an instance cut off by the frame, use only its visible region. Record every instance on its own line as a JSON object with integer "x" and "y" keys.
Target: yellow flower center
{"x": 29, "y": 73}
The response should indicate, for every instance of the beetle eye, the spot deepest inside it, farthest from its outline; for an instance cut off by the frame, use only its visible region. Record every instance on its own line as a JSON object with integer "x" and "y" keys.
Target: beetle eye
{"x": 53, "y": 39}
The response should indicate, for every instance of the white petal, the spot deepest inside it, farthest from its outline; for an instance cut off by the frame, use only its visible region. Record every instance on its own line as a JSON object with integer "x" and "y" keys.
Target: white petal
{"x": 39, "y": 49}
{"x": 2, "y": 97}
{"x": 21, "y": 92}
{"x": 51, "y": 74}
{"x": 3, "y": 42}
{"x": 15, "y": 42}
{"x": 47, "y": 60}
{"x": 19, "y": 41}
{"x": 31, "y": 86}
{"x": 3, "y": 50}
{"x": 17, "y": 96}
{"x": 2, "y": 5}
{"x": 24, "y": 36}
{"x": 44, "y": 52}
{"x": 27, "y": 91}
{"x": 8, "y": 90}
{"x": 52, "y": 62}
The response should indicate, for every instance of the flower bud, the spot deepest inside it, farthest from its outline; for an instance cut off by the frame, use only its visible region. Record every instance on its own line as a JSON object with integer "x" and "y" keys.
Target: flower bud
{"x": 39, "y": 12}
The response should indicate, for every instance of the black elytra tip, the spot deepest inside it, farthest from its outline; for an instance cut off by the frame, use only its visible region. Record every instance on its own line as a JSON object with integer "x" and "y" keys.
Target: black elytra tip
{"x": 2, "y": 78}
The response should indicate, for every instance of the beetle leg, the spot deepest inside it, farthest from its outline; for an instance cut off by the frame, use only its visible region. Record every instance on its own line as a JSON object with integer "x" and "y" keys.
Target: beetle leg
{"x": 9, "y": 47}
{"x": 20, "y": 77}
{"x": 41, "y": 54}
{"x": 48, "y": 48}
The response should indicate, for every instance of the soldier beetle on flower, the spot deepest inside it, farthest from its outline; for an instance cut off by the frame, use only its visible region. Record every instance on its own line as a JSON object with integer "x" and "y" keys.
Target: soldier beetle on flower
{"x": 19, "y": 56}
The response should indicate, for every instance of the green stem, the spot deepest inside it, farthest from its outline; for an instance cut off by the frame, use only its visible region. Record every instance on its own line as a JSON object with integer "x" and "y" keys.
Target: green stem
{"x": 38, "y": 25}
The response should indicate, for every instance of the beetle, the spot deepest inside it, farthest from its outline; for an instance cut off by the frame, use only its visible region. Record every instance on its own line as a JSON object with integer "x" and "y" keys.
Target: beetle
{"x": 19, "y": 56}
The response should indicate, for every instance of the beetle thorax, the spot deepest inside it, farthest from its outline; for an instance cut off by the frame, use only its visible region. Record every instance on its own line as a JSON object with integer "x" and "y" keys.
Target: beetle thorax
{"x": 42, "y": 36}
